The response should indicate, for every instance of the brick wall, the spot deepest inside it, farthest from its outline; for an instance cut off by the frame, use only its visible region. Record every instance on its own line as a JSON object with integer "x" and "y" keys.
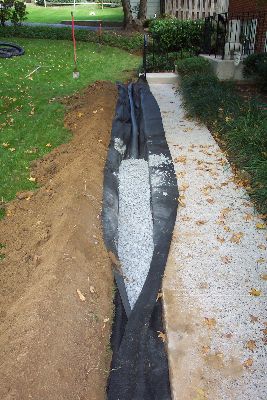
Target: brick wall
{"x": 257, "y": 7}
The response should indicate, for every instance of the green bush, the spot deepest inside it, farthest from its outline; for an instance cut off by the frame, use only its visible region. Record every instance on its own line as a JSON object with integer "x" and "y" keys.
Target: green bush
{"x": 256, "y": 65}
{"x": 126, "y": 42}
{"x": 241, "y": 124}
{"x": 13, "y": 10}
{"x": 191, "y": 65}
{"x": 173, "y": 34}
{"x": 161, "y": 62}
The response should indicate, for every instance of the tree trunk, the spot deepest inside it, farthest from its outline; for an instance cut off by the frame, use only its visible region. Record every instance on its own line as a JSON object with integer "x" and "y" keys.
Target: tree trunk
{"x": 142, "y": 10}
{"x": 128, "y": 17}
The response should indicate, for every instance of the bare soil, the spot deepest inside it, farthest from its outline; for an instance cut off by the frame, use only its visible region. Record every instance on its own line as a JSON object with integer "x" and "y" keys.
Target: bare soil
{"x": 56, "y": 281}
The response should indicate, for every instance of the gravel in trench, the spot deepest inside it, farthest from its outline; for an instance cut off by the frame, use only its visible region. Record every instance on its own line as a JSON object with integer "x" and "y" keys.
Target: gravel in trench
{"x": 135, "y": 239}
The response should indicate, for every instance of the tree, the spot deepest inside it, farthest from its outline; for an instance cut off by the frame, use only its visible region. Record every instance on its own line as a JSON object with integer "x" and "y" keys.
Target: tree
{"x": 129, "y": 21}
{"x": 127, "y": 11}
{"x": 142, "y": 10}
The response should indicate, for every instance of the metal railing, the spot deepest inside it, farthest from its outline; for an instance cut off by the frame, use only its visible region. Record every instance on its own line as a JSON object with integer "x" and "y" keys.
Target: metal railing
{"x": 225, "y": 35}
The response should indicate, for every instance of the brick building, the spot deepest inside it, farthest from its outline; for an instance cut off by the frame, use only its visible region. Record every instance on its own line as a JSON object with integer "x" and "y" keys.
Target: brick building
{"x": 253, "y": 15}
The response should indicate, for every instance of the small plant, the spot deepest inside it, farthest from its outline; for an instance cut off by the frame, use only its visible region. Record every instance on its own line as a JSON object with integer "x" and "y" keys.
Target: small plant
{"x": 256, "y": 65}
{"x": 193, "y": 65}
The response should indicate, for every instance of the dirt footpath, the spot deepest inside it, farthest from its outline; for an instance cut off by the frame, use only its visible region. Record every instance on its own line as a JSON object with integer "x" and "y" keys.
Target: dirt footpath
{"x": 56, "y": 282}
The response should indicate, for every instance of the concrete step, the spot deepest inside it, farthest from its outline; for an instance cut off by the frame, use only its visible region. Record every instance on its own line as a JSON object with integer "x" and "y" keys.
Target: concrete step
{"x": 162, "y": 77}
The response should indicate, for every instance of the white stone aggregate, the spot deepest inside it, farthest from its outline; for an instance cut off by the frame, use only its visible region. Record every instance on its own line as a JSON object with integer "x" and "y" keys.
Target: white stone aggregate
{"x": 220, "y": 256}
{"x": 135, "y": 228}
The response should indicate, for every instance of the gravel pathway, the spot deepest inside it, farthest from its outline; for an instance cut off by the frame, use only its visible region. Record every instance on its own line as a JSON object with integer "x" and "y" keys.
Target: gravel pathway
{"x": 215, "y": 285}
{"x": 135, "y": 242}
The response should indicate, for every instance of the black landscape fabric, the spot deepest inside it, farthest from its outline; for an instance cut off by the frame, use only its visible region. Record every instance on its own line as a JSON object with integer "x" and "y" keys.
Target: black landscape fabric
{"x": 139, "y": 369}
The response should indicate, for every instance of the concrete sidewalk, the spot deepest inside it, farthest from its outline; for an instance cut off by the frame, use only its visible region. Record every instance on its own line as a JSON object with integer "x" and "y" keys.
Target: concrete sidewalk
{"x": 215, "y": 282}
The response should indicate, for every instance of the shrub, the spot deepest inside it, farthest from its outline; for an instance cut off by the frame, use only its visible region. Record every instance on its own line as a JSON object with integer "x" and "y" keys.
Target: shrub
{"x": 161, "y": 62}
{"x": 126, "y": 42}
{"x": 175, "y": 35}
{"x": 256, "y": 65}
{"x": 13, "y": 10}
{"x": 191, "y": 65}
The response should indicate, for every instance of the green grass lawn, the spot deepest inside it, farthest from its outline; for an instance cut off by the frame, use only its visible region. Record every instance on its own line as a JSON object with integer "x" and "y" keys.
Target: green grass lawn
{"x": 57, "y": 14}
{"x": 28, "y": 118}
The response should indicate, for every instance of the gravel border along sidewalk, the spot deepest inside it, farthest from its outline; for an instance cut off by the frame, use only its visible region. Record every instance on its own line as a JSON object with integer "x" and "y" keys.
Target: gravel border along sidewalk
{"x": 215, "y": 280}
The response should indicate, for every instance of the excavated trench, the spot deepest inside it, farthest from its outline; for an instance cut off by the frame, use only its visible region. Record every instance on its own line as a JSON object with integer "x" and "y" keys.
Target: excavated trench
{"x": 139, "y": 212}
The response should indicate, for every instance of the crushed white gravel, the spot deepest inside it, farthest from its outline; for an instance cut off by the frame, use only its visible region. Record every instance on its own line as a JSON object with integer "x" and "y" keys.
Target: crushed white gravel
{"x": 219, "y": 272}
{"x": 135, "y": 228}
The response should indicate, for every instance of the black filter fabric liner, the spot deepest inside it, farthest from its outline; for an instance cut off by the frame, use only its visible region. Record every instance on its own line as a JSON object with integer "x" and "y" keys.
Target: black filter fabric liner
{"x": 139, "y": 369}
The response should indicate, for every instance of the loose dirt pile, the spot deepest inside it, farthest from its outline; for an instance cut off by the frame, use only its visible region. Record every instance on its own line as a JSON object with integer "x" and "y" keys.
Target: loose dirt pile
{"x": 56, "y": 282}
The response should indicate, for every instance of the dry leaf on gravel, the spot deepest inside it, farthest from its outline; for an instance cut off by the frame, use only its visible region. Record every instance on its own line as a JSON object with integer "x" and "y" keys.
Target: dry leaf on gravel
{"x": 248, "y": 363}
{"x": 160, "y": 294}
{"x": 251, "y": 345}
{"x": 220, "y": 239}
{"x": 264, "y": 277}
{"x": 201, "y": 222}
{"x": 81, "y": 296}
{"x": 255, "y": 292}
{"x": 262, "y": 247}
{"x": 181, "y": 159}
{"x": 253, "y": 318}
{"x": 92, "y": 289}
{"x": 210, "y": 322}
{"x": 226, "y": 259}
{"x": 237, "y": 237}
{"x": 200, "y": 394}
{"x": 260, "y": 226}
{"x": 205, "y": 349}
{"x": 162, "y": 336}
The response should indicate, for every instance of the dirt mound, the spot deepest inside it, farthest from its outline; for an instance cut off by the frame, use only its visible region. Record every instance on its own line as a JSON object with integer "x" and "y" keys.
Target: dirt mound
{"x": 56, "y": 281}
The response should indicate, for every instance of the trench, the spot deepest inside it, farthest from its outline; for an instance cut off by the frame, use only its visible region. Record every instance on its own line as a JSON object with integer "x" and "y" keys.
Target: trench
{"x": 139, "y": 213}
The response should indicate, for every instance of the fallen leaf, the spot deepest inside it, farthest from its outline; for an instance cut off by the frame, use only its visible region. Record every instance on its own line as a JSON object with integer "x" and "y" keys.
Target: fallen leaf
{"x": 220, "y": 239}
{"x": 264, "y": 277}
{"x": 12, "y": 149}
{"x": 205, "y": 349}
{"x": 48, "y": 145}
{"x": 81, "y": 296}
{"x": 210, "y": 322}
{"x": 181, "y": 159}
{"x": 264, "y": 331}
{"x": 255, "y": 292}
{"x": 260, "y": 226}
{"x": 200, "y": 394}
{"x": 248, "y": 217}
{"x": 201, "y": 222}
{"x": 261, "y": 260}
{"x": 92, "y": 289}
{"x": 248, "y": 363}
{"x": 251, "y": 345}
{"x": 262, "y": 247}
{"x": 253, "y": 318}
{"x": 31, "y": 179}
{"x": 95, "y": 111}
{"x": 106, "y": 320}
{"x": 182, "y": 204}
{"x": 226, "y": 259}
{"x": 5, "y": 144}
{"x": 160, "y": 294}
{"x": 236, "y": 237}
{"x": 211, "y": 201}
{"x": 162, "y": 336}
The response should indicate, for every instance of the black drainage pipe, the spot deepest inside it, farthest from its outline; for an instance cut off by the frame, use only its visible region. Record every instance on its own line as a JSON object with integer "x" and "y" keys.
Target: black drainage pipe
{"x": 139, "y": 369}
